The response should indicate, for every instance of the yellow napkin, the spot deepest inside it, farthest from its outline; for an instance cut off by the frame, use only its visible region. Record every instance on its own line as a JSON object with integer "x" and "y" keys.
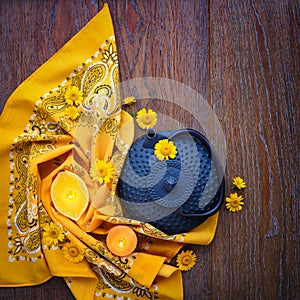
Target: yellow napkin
{"x": 63, "y": 119}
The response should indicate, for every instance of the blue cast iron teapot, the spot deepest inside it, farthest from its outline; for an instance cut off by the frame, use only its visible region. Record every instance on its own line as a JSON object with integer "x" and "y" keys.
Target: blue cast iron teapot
{"x": 174, "y": 195}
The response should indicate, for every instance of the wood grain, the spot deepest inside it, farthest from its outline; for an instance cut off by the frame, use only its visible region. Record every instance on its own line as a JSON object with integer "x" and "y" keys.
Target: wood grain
{"x": 243, "y": 57}
{"x": 255, "y": 90}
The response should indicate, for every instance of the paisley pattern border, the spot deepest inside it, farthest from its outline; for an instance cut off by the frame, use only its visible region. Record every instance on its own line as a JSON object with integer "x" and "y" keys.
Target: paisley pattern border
{"x": 25, "y": 212}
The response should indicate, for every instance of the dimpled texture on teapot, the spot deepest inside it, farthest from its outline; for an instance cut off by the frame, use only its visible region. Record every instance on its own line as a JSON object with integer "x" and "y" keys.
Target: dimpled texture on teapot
{"x": 162, "y": 192}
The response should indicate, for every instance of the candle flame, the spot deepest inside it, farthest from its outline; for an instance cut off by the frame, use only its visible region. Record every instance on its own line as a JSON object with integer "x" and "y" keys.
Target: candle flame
{"x": 122, "y": 243}
{"x": 70, "y": 195}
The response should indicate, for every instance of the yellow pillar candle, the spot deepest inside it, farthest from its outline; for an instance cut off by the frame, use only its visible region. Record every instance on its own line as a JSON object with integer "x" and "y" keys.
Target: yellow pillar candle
{"x": 121, "y": 240}
{"x": 69, "y": 195}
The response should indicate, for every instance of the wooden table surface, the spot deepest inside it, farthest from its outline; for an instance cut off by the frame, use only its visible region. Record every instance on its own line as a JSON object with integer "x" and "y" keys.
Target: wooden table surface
{"x": 243, "y": 57}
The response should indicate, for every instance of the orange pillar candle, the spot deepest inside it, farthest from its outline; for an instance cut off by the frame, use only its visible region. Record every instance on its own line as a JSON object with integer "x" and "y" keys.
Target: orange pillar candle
{"x": 121, "y": 240}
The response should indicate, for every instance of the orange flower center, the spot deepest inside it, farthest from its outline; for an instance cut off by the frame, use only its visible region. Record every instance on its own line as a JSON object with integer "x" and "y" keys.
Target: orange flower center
{"x": 73, "y": 251}
{"x": 235, "y": 202}
{"x": 53, "y": 233}
{"x": 73, "y": 96}
{"x": 102, "y": 172}
{"x": 165, "y": 151}
{"x": 146, "y": 119}
{"x": 186, "y": 260}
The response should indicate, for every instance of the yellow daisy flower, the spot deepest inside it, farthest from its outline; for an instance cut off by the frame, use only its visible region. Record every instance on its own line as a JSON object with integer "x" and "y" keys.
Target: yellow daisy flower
{"x": 186, "y": 260}
{"x": 239, "y": 182}
{"x": 129, "y": 100}
{"x": 102, "y": 171}
{"x": 146, "y": 119}
{"x": 53, "y": 234}
{"x": 165, "y": 149}
{"x": 72, "y": 112}
{"x": 234, "y": 203}
{"x": 72, "y": 253}
{"x": 74, "y": 95}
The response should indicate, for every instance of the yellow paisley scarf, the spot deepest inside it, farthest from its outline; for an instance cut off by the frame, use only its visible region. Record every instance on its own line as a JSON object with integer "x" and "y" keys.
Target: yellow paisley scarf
{"x": 51, "y": 125}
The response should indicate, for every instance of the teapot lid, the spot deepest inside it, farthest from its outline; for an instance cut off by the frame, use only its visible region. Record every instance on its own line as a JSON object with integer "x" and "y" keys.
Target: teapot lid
{"x": 174, "y": 195}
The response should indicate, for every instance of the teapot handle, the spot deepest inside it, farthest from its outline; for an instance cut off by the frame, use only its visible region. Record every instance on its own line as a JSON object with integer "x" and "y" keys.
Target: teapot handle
{"x": 221, "y": 192}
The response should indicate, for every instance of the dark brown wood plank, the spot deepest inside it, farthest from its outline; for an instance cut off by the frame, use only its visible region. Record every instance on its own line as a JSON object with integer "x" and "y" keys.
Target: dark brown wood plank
{"x": 32, "y": 31}
{"x": 243, "y": 57}
{"x": 55, "y": 288}
{"x": 254, "y": 61}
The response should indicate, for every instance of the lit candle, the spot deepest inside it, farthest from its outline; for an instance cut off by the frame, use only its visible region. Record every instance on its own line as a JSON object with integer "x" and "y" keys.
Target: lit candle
{"x": 69, "y": 195}
{"x": 121, "y": 240}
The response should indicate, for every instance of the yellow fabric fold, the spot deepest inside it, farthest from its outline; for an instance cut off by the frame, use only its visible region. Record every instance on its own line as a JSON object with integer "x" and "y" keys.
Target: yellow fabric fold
{"x": 166, "y": 270}
{"x": 66, "y": 117}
